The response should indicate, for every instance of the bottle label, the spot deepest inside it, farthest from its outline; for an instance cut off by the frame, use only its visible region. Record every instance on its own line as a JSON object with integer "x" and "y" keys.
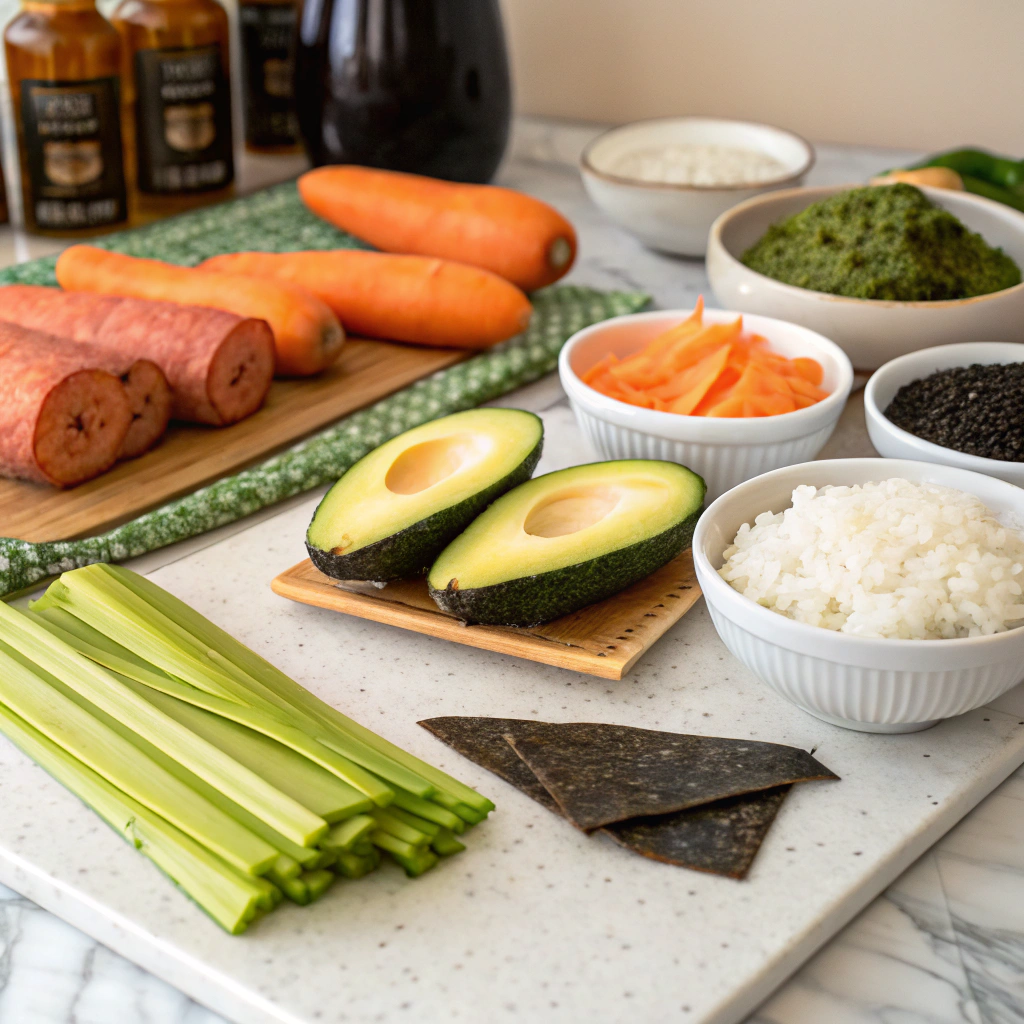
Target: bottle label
{"x": 73, "y": 151}
{"x": 182, "y": 120}
{"x": 268, "y": 72}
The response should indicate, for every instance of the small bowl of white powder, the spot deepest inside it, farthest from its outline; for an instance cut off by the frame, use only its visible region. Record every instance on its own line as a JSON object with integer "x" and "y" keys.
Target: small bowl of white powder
{"x": 877, "y": 594}
{"x": 667, "y": 180}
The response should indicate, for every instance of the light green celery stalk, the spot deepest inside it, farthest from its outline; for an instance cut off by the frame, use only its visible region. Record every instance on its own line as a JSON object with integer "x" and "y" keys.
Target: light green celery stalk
{"x": 25, "y": 692}
{"x": 422, "y": 825}
{"x": 445, "y": 843}
{"x": 292, "y": 857}
{"x": 415, "y": 864}
{"x": 318, "y": 882}
{"x": 387, "y": 822}
{"x": 228, "y": 896}
{"x": 386, "y": 841}
{"x": 109, "y": 694}
{"x": 323, "y": 793}
{"x": 346, "y": 834}
{"x": 292, "y": 693}
{"x": 294, "y": 888}
{"x": 429, "y": 810}
{"x": 353, "y": 866}
{"x": 266, "y": 720}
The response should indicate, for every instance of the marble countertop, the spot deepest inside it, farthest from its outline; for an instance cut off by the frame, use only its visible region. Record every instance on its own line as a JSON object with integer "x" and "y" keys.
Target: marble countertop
{"x": 943, "y": 945}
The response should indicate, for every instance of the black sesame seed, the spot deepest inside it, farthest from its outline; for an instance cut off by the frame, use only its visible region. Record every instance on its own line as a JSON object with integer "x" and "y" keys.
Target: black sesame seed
{"x": 978, "y": 410}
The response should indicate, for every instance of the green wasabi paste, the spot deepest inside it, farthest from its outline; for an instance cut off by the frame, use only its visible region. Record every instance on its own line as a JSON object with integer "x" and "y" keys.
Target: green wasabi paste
{"x": 882, "y": 242}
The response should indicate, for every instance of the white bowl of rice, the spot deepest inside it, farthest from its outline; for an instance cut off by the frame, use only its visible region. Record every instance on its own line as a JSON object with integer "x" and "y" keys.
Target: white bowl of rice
{"x": 874, "y": 597}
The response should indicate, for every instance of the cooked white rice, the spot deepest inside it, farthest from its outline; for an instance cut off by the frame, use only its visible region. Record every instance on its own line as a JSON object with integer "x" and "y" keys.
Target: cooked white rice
{"x": 890, "y": 559}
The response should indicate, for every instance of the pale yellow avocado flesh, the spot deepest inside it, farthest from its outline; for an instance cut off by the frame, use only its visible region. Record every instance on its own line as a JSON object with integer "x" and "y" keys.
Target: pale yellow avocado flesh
{"x": 422, "y": 472}
{"x": 566, "y": 518}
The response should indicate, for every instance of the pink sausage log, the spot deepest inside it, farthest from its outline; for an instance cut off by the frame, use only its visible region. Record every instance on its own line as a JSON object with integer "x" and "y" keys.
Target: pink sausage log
{"x": 219, "y": 365}
{"x": 61, "y": 421}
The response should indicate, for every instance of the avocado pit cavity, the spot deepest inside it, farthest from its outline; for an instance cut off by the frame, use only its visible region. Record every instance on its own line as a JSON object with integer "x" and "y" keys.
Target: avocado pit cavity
{"x": 571, "y": 510}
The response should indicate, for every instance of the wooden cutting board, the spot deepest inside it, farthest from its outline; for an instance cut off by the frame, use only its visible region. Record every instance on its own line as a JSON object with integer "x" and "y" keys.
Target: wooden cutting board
{"x": 605, "y": 639}
{"x": 190, "y": 456}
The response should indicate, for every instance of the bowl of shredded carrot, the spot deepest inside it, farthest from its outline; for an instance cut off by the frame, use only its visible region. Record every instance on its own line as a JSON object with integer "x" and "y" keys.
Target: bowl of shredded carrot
{"x": 730, "y": 396}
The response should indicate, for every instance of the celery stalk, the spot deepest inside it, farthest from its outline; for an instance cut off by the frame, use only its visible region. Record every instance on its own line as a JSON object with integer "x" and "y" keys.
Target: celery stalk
{"x": 101, "y": 688}
{"x": 387, "y": 822}
{"x": 291, "y": 692}
{"x": 354, "y": 866}
{"x": 417, "y": 863}
{"x": 267, "y": 721}
{"x": 362, "y": 848}
{"x": 427, "y": 828}
{"x": 318, "y": 882}
{"x": 323, "y": 793}
{"x": 26, "y": 692}
{"x": 445, "y": 843}
{"x": 292, "y": 857}
{"x": 346, "y": 834}
{"x": 431, "y": 811}
{"x": 225, "y": 894}
{"x": 294, "y": 888}
{"x": 386, "y": 841}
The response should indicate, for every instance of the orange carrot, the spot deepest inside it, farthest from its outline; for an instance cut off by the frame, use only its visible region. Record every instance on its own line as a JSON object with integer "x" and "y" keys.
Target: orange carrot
{"x": 714, "y": 370}
{"x": 516, "y": 236}
{"x": 416, "y": 299}
{"x": 307, "y": 335}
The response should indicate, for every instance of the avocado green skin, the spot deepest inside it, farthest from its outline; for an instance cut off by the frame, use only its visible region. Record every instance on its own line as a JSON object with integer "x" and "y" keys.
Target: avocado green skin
{"x": 533, "y": 599}
{"x": 412, "y": 551}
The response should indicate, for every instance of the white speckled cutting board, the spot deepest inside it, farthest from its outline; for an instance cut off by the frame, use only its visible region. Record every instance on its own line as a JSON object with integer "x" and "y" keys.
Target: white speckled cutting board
{"x": 535, "y": 921}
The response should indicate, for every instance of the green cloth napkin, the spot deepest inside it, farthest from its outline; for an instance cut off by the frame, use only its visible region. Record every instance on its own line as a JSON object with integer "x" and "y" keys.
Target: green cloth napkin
{"x": 276, "y": 220}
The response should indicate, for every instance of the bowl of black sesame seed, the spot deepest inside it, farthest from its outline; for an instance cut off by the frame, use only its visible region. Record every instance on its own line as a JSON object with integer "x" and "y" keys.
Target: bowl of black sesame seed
{"x": 957, "y": 405}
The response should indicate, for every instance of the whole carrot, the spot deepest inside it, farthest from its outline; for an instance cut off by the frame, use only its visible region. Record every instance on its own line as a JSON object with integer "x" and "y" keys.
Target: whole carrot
{"x": 416, "y": 299}
{"x": 524, "y": 240}
{"x": 307, "y": 335}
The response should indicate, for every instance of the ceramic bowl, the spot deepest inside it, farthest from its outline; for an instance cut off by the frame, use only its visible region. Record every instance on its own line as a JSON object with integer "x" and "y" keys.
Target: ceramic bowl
{"x": 873, "y": 685}
{"x": 723, "y": 451}
{"x": 871, "y": 331}
{"x": 896, "y": 443}
{"x": 676, "y": 218}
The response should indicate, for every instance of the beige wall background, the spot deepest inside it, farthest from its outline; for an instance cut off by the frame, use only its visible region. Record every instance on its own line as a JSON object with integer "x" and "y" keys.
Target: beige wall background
{"x": 920, "y": 74}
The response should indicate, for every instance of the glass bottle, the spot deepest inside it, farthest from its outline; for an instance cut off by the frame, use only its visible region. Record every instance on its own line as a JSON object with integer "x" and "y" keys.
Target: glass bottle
{"x": 267, "y": 32}
{"x": 410, "y": 85}
{"x": 64, "y": 67}
{"x": 178, "y": 147}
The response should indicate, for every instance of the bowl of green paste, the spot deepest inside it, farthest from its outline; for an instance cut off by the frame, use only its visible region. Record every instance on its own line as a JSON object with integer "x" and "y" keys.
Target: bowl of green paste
{"x": 881, "y": 270}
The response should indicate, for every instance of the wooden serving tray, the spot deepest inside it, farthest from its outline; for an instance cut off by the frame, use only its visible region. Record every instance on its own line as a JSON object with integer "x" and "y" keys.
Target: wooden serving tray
{"x": 605, "y": 639}
{"x": 191, "y": 456}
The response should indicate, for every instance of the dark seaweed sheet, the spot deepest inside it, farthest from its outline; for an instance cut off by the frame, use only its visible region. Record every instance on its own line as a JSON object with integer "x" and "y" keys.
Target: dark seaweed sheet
{"x": 720, "y": 837}
{"x": 600, "y": 774}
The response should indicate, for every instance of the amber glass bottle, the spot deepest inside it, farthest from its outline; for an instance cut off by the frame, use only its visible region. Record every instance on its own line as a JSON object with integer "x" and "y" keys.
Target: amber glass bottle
{"x": 178, "y": 123}
{"x": 64, "y": 66}
{"x": 268, "y": 75}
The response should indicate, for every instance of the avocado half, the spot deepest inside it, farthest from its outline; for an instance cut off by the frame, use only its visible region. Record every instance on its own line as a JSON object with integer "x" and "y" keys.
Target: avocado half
{"x": 567, "y": 539}
{"x": 393, "y": 511}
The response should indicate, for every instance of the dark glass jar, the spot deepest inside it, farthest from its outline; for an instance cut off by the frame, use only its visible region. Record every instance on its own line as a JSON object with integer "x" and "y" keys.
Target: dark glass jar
{"x": 410, "y": 85}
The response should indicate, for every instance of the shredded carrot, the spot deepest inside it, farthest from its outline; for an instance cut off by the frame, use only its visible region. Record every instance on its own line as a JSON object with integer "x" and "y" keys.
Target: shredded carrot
{"x": 698, "y": 369}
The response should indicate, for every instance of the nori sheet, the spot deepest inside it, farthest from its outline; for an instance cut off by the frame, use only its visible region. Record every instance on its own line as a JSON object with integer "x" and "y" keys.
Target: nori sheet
{"x": 721, "y": 837}
{"x": 600, "y": 774}
{"x": 482, "y": 740}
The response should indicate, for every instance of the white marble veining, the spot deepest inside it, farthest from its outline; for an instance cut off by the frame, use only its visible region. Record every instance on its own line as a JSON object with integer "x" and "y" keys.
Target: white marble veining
{"x": 943, "y": 945}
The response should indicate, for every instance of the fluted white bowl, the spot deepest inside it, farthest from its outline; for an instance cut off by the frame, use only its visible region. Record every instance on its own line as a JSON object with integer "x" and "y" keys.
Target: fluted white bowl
{"x": 864, "y": 683}
{"x": 896, "y": 443}
{"x": 724, "y": 452}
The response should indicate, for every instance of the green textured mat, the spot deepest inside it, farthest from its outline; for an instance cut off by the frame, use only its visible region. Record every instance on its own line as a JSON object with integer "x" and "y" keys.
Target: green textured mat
{"x": 276, "y": 220}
